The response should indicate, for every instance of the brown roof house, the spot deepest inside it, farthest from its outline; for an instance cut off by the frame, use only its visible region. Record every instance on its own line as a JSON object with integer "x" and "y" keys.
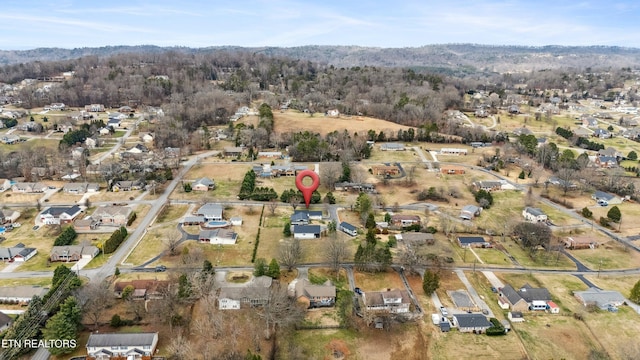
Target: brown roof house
{"x": 255, "y": 293}
{"x": 580, "y": 242}
{"x": 405, "y": 220}
{"x": 525, "y": 298}
{"x": 73, "y": 252}
{"x": 390, "y": 301}
{"x": 313, "y": 295}
{"x": 112, "y": 215}
{"x": 143, "y": 289}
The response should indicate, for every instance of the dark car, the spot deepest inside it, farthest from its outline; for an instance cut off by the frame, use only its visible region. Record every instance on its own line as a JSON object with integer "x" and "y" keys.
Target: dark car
{"x": 358, "y": 291}
{"x": 161, "y": 268}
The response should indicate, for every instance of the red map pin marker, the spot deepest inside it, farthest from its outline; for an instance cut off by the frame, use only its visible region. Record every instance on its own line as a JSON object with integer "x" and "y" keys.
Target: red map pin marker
{"x": 307, "y": 191}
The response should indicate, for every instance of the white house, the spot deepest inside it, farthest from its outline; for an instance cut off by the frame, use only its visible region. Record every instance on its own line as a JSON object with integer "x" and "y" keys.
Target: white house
{"x": 348, "y": 228}
{"x": 392, "y": 301}
{"x": 534, "y": 215}
{"x": 132, "y": 346}
{"x": 218, "y": 236}
{"x": 21, "y": 293}
{"x": 57, "y": 215}
{"x": 306, "y": 231}
{"x": 5, "y": 184}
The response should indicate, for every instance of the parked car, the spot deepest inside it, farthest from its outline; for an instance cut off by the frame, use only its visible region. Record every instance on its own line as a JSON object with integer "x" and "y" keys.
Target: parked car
{"x": 161, "y": 268}
{"x": 36, "y": 227}
{"x": 358, "y": 291}
{"x": 493, "y": 289}
{"x": 444, "y": 311}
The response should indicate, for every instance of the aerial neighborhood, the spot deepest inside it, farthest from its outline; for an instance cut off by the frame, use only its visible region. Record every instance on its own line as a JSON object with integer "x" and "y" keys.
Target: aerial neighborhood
{"x": 144, "y": 223}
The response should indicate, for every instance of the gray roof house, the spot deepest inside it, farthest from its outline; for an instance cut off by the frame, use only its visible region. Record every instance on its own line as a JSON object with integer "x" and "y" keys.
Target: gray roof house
{"x": 5, "y": 321}
{"x": 392, "y": 147}
{"x": 475, "y": 323}
{"x": 534, "y": 215}
{"x": 469, "y": 212}
{"x": 112, "y": 215}
{"x": 347, "y": 228}
{"x": 609, "y": 198}
{"x": 22, "y": 293}
{"x": 473, "y": 241}
{"x": 80, "y": 188}
{"x": 299, "y": 218}
{"x": 603, "y": 299}
{"x": 314, "y": 295}
{"x": 203, "y": 184}
{"x": 211, "y": 211}
{"x": 306, "y": 231}
{"x": 73, "y": 252}
{"x": 17, "y": 253}
{"x": 127, "y": 345}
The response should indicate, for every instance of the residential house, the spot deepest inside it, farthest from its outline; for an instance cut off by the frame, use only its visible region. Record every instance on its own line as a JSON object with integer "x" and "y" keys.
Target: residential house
{"x": 18, "y": 253}
{"x": 10, "y": 139}
{"x": 452, "y": 170}
{"x": 127, "y": 185}
{"x": 360, "y": 187}
{"x": 405, "y": 220}
{"x": 114, "y": 123}
{"x": 73, "y": 252}
{"x": 554, "y": 180}
{"x": 22, "y": 293}
{"x": 469, "y": 212}
{"x": 104, "y": 131}
{"x": 58, "y": 215}
{"x": 603, "y": 299}
{"x": 112, "y": 215}
{"x": 580, "y": 242}
{"x": 348, "y": 229}
{"x": 453, "y": 151}
{"x": 233, "y": 151}
{"x": 608, "y": 198}
{"x": 515, "y": 316}
{"x": 130, "y": 346}
{"x": 307, "y": 231}
{"x": 80, "y": 188}
{"x": 525, "y": 298}
{"x": 218, "y": 236}
{"x": 553, "y": 307}
{"x": 590, "y": 122}
{"x": 203, "y": 184}
{"x": 601, "y": 133}
{"x": 94, "y": 108}
{"x": 390, "y": 301}
{"x": 143, "y": 289}
{"x": 513, "y": 109}
{"x": 314, "y": 295}
{"x": 211, "y": 212}
{"x": 487, "y": 185}
{"x": 138, "y": 149}
{"x": 299, "y": 218}
{"x": 8, "y": 216}
{"x": 5, "y": 184}
{"x": 611, "y": 152}
{"x": 385, "y": 170}
{"x": 392, "y": 147}
{"x": 582, "y": 132}
{"x": 606, "y": 161}
{"x": 29, "y": 188}
{"x": 147, "y": 137}
{"x": 86, "y": 224}
{"x": 254, "y": 293}
{"x": 522, "y": 131}
{"x": 473, "y": 241}
{"x": 534, "y": 215}
{"x": 473, "y": 323}
{"x": 193, "y": 220}
{"x": 5, "y": 321}
{"x": 333, "y": 113}
{"x": 311, "y": 215}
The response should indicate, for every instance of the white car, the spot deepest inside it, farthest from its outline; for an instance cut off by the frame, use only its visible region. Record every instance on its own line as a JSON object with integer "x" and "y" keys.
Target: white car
{"x": 444, "y": 311}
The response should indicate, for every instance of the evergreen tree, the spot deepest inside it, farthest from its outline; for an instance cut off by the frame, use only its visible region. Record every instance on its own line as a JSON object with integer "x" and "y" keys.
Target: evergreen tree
{"x": 371, "y": 222}
{"x": 614, "y": 214}
{"x": 371, "y": 237}
{"x": 184, "y": 287}
{"x": 64, "y": 325}
{"x": 207, "y": 267}
{"x": 635, "y": 293}
{"x": 274, "y": 269}
{"x": 260, "y": 267}
{"x": 430, "y": 282}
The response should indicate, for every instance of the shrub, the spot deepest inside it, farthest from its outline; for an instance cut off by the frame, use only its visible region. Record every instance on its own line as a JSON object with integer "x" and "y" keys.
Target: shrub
{"x": 66, "y": 237}
{"x": 586, "y": 212}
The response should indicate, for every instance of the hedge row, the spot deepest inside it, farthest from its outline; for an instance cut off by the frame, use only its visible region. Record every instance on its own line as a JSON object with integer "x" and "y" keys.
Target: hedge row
{"x": 115, "y": 240}
{"x": 66, "y": 237}
{"x": 132, "y": 218}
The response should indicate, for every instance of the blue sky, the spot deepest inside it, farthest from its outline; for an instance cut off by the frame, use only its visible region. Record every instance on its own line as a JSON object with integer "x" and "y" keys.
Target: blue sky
{"x": 27, "y": 24}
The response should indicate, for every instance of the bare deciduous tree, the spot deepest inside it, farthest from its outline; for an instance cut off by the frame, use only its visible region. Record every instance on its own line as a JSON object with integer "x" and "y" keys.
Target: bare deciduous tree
{"x": 95, "y": 298}
{"x": 273, "y": 205}
{"x": 336, "y": 252}
{"x": 290, "y": 253}
{"x": 330, "y": 174}
{"x": 172, "y": 241}
{"x": 280, "y": 311}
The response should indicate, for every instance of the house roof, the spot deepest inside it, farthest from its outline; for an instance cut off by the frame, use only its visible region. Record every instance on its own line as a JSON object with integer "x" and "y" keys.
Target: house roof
{"x": 376, "y": 298}
{"x": 306, "y": 229}
{"x": 530, "y": 294}
{"x": 601, "y": 195}
{"x": 304, "y": 287}
{"x": 204, "y": 181}
{"x": 510, "y": 293}
{"x": 516, "y": 314}
{"x": 69, "y": 250}
{"x": 122, "y": 339}
{"x": 59, "y": 210}
{"x": 471, "y": 239}
{"x": 602, "y": 298}
{"x": 472, "y": 320}
{"x": 415, "y": 237}
{"x": 112, "y": 210}
{"x": 22, "y": 291}
{"x": 392, "y": 146}
{"x": 218, "y": 233}
{"x": 400, "y": 217}
{"x": 299, "y": 216}
{"x": 346, "y": 225}
{"x": 210, "y": 210}
{"x": 534, "y": 211}
{"x": 471, "y": 208}
{"x": 310, "y": 213}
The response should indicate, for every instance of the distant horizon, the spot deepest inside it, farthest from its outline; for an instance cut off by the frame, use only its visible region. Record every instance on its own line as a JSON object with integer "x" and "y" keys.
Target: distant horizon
{"x": 73, "y": 24}
{"x": 329, "y": 45}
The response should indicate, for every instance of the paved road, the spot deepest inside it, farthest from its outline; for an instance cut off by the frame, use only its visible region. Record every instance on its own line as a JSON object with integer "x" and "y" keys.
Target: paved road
{"x": 118, "y": 145}
{"x": 474, "y": 294}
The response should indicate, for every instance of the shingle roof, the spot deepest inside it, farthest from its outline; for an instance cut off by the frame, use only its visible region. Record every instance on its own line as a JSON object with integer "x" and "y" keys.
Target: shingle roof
{"x": 534, "y": 211}
{"x": 472, "y": 320}
{"x": 306, "y": 229}
{"x": 121, "y": 339}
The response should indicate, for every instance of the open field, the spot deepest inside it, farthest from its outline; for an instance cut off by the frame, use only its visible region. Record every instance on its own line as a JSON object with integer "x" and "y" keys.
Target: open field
{"x": 118, "y": 196}
{"x": 609, "y": 255}
{"x": 541, "y": 259}
{"x": 294, "y": 121}
{"x": 9, "y": 197}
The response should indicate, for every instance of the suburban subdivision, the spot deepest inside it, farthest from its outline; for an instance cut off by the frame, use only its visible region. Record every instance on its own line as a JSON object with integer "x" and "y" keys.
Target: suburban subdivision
{"x": 160, "y": 218}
